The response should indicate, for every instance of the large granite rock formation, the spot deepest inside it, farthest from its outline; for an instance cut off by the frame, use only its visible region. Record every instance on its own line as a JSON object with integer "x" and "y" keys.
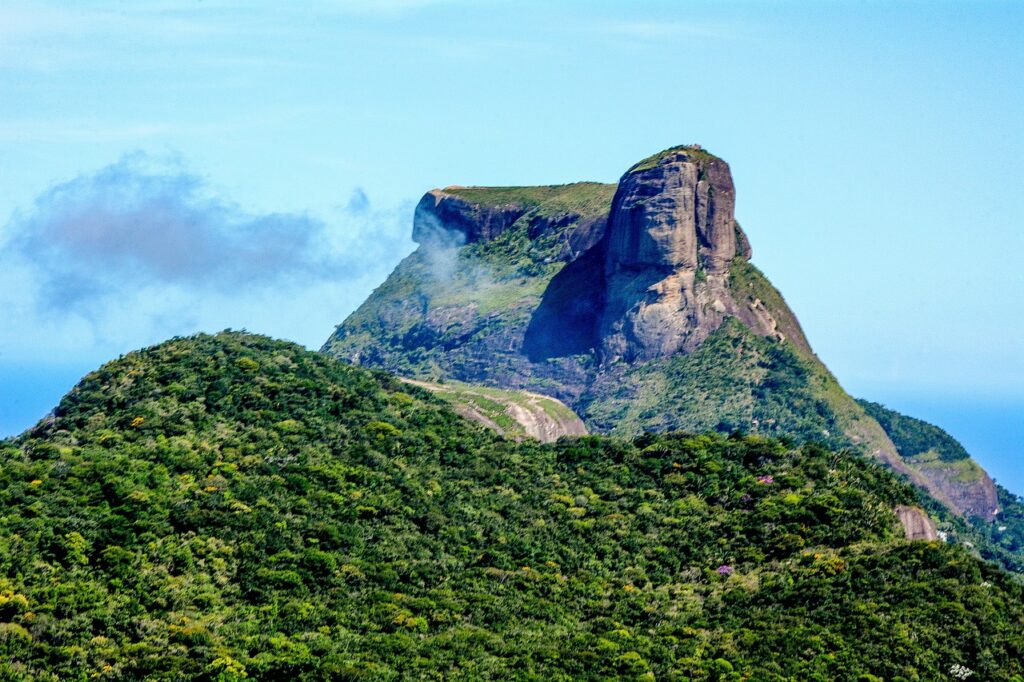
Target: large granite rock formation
{"x": 635, "y": 304}
{"x": 671, "y": 242}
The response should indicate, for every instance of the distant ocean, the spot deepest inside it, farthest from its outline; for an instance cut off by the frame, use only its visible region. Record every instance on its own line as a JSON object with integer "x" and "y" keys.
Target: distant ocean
{"x": 29, "y": 392}
{"x": 991, "y": 429}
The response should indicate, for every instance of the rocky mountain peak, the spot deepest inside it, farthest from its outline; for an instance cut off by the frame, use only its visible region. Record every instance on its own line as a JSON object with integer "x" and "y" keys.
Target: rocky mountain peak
{"x": 671, "y": 240}
{"x": 674, "y": 210}
{"x": 635, "y": 304}
{"x": 444, "y": 212}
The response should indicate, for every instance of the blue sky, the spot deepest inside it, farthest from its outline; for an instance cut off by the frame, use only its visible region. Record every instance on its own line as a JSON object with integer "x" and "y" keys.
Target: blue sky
{"x": 254, "y": 165}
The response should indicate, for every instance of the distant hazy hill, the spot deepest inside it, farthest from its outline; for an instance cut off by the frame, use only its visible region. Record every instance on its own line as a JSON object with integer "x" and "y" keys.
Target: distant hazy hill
{"x": 229, "y": 506}
{"x": 933, "y": 451}
{"x": 635, "y": 304}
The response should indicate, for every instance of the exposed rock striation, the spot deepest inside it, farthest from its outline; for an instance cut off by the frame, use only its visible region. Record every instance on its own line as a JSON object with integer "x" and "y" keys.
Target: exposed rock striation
{"x": 674, "y": 211}
{"x": 532, "y": 415}
{"x": 671, "y": 243}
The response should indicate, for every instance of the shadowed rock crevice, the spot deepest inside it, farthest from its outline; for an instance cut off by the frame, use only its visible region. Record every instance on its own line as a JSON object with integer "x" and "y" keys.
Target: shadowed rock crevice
{"x": 566, "y": 320}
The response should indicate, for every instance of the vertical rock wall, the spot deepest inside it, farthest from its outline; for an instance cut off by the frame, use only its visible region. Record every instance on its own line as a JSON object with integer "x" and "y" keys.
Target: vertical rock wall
{"x": 671, "y": 239}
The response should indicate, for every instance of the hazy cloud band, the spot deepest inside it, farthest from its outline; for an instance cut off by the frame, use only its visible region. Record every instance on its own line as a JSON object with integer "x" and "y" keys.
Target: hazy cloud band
{"x": 143, "y": 222}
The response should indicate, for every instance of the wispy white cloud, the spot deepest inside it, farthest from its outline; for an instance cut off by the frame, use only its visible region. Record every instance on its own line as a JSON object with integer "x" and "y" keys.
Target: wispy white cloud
{"x": 380, "y": 7}
{"x": 93, "y": 131}
{"x": 147, "y": 222}
{"x": 46, "y": 36}
{"x": 170, "y": 21}
{"x": 40, "y": 20}
{"x": 141, "y": 131}
{"x": 143, "y": 249}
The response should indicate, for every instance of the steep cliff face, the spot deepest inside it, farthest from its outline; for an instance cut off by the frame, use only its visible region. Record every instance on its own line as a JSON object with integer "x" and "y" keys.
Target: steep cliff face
{"x": 445, "y": 212}
{"x": 672, "y": 240}
{"x": 635, "y": 304}
{"x": 463, "y": 215}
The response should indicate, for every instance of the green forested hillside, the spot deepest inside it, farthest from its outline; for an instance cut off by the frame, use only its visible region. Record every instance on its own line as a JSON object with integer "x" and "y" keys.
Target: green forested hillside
{"x": 914, "y": 437}
{"x": 230, "y": 506}
{"x": 736, "y": 380}
{"x": 1001, "y": 538}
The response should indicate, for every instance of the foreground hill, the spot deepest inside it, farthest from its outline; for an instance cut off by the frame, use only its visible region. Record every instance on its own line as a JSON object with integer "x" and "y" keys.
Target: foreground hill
{"x": 229, "y": 506}
{"x": 636, "y": 304}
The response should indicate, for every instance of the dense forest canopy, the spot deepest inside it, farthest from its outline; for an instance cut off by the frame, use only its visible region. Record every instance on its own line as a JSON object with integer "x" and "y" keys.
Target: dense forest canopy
{"x": 230, "y": 506}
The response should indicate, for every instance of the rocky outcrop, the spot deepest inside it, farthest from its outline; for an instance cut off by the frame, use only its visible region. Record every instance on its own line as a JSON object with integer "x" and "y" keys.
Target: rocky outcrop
{"x": 979, "y": 499}
{"x": 917, "y": 525}
{"x": 743, "y": 249}
{"x": 969, "y": 490}
{"x": 440, "y": 209}
{"x": 674, "y": 211}
{"x": 535, "y": 416}
{"x": 934, "y": 455}
{"x": 670, "y": 244}
{"x": 592, "y": 293}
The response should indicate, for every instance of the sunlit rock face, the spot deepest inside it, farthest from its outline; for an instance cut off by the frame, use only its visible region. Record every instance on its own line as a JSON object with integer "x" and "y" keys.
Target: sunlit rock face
{"x": 671, "y": 240}
{"x": 675, "y": 213}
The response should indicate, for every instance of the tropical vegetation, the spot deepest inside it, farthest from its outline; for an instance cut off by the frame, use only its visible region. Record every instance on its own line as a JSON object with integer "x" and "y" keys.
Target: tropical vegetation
{"x": 230, "y": 506}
